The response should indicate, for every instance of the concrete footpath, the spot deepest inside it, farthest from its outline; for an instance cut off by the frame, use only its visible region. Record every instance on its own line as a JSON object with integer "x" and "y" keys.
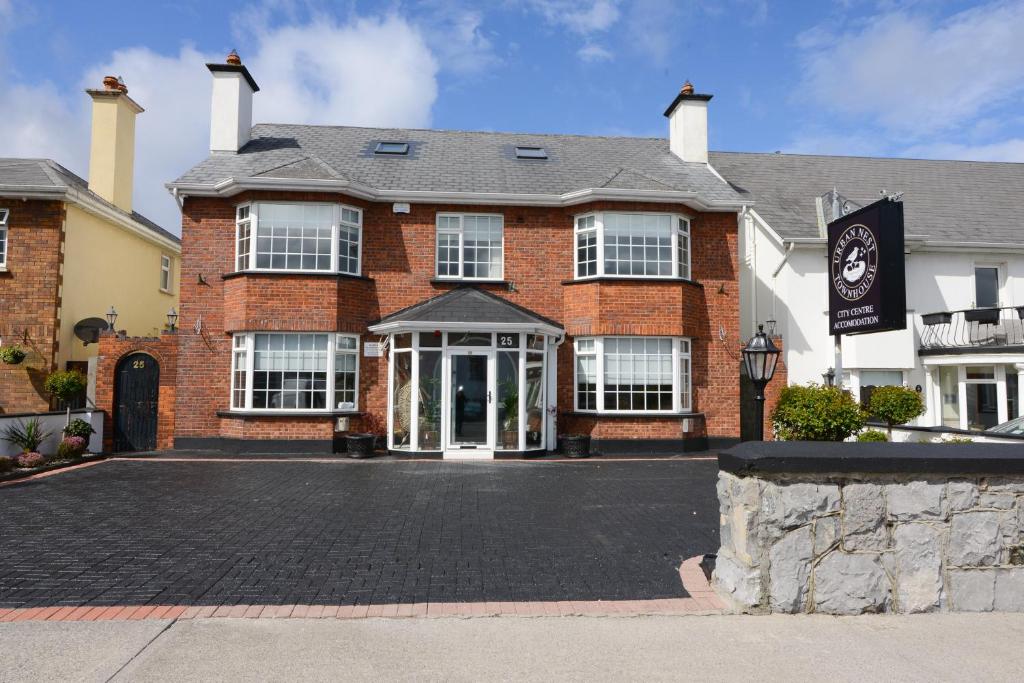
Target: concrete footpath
{"x": 893, "y": 648}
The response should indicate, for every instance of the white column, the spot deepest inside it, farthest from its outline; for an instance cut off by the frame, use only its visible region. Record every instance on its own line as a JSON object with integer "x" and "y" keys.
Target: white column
{"x": 1020, "y": 388}
{"x": 1001, "y": 412}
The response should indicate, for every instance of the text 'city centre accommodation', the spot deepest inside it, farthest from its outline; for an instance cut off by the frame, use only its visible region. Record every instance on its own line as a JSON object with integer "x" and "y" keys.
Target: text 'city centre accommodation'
{"x": 468, "y": 294}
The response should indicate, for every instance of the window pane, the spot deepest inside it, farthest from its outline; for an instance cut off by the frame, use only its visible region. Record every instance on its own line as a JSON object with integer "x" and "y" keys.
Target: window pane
{"x": 637, "y": 244}
{"x": 982, "y": 409}
{"x": 586, "y": 382}
{"x": 345, "y": 374}
{"x": 430, "y": 400}
{"x": 986, "y": 287}
{"x": 401, "y": 399}
{"x": 949, "y": 387}
{"x": 294, "y": 236}
{"x": 534, "y": 400}
{"x": 470, "y": 339}
{"x": 586, "y": 247}
{"x": 481, "y": 246}
{"x": 981, "y": 372}
{"x": 508, "y": 401}
{"x": 638, "y": 374}
{"x": 290, "y": 371}
{"x": 429, "y": 339}
{"x": 684, "y": 384}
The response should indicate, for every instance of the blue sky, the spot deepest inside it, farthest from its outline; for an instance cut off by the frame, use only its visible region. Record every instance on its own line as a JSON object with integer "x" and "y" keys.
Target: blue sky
{"x": 931, "y": 79}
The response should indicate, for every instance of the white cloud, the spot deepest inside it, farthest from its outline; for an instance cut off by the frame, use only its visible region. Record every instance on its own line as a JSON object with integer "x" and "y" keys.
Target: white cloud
{"x": 583, "y": 17}
{"x": 913, "y": 74}
{"x": 1004, "y": 150}
{"x": 368, "y": 71}
{"x": 594, "y": 53}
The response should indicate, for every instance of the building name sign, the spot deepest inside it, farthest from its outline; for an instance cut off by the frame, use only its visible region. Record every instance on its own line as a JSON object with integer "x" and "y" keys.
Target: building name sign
{"x": 867, "y": 282}
{"x": 372, "y": 350}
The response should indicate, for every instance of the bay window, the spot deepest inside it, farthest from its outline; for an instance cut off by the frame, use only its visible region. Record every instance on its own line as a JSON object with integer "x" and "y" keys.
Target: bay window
{"x": 633, "y": 375}
{"x": 277, "y": 371}
{"x": 3, "y": 236}
{"x": 651, "y": 245}
{"x": 301, "y": 237}
{"x": 470, "y": 247}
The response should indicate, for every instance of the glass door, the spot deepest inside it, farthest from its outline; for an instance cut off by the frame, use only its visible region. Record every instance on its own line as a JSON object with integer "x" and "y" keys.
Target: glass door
{"x": 471, "y": 402}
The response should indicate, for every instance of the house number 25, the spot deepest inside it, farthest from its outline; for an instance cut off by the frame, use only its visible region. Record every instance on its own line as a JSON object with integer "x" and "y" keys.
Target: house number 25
{"x": 138, "y": 364}
{"x": 506, "y": 341}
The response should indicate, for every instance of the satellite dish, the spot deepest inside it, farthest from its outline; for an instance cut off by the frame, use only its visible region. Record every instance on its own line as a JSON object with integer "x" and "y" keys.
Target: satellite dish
{"x": 88, "y": 330}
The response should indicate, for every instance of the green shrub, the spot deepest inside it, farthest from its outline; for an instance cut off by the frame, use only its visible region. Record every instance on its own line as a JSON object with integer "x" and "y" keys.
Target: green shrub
{"x": 895, "y": 405}
{"x": 27, "y": 436}
{"x": 79, "y": 427}
{"x": 816, "y": 413}
{"x": 872, "y": 435}
{"x": 65, "y": 384}
{"x": 958, "y": 439}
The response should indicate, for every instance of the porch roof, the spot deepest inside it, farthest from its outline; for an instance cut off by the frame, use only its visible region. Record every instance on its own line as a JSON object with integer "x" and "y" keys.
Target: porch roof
{"x": 467, "y": 308}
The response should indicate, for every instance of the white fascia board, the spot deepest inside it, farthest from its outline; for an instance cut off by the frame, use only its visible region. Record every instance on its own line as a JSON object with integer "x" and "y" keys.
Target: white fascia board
{"x": 232, "y": 186}
{"x": 768, "y": 230}
{"x": 427, "y": 326}
{"x": 954, "y": 358}
{"x": 89, "y": 203}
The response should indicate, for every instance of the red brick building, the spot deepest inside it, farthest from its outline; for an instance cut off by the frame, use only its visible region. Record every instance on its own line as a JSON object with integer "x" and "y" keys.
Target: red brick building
{"x": 466, "y": 294}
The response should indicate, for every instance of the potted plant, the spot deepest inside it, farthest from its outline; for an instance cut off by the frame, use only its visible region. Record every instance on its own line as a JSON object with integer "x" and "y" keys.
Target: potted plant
{"x": 12, "y": 355}
{"x": 27, "y": 436}
{"x": 576, "y": 445}
{"x": 65, "y": 385}
{"x": 80, "y": 428}
{"x": 984, "y": 316}
{"x": 363, "y": 444}
{"x": 510, "y": 425}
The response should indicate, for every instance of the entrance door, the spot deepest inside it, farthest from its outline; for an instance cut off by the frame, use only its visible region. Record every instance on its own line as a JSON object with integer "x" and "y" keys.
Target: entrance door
{"x": 470, "y": 405}
{"x": 135, "y": 400}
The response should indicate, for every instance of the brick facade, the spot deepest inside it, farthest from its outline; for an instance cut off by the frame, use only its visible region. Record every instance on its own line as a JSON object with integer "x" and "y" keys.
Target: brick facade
{"x": 30, "y": 299}
{"x": 397, "y": 271}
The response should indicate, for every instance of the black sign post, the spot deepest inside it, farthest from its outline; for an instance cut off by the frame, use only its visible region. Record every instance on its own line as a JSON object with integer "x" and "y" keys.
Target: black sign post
{"x": 867, "y": 286}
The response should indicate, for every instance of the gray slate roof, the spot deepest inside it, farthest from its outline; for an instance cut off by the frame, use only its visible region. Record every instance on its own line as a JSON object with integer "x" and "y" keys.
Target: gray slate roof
{"x": 46, "y": 174}
{"x": 466, "y": 304}
{"x": 458, "y": 161}
{"x": 943, "y": 200}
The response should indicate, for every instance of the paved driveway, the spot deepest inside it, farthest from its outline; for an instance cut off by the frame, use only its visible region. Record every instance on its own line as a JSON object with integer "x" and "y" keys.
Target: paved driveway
{"x": 341, "y": 533}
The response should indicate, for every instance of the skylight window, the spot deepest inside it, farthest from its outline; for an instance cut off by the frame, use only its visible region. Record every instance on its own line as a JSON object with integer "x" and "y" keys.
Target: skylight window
{"x": 531, "y": 153}
{"x": 392, "y": 148}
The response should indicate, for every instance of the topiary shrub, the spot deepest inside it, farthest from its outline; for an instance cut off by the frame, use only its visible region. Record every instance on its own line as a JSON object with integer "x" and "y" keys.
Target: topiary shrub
{"x": 872, "y": 435}
{"x": 80, "y": 428}
{"x": 816, "y": 413}
{"x": 71, "y": 447}
{"x": 64, "y": 385}
{"x": 6, "y": 464}
{"x": 31, "y": 460}
{"x": 895, "y": 405}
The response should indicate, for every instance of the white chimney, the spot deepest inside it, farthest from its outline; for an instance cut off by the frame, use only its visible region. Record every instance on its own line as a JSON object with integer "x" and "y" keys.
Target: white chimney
{"x": 231, "y": 105}
{"x": 688, "y": 125}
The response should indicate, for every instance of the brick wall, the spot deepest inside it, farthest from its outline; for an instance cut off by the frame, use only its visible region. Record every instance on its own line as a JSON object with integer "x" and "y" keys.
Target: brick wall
{"x": 398, "y": 265}
{"x": 165, "y": 350}
{"x": 29, "y": 300}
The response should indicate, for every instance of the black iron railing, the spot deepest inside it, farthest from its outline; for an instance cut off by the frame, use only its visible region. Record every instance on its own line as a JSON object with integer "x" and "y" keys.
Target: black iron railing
{"x": 973, "y": 328}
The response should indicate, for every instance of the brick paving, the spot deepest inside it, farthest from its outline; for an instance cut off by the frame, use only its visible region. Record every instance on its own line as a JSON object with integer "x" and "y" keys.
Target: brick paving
{"x": 172, "y": 539}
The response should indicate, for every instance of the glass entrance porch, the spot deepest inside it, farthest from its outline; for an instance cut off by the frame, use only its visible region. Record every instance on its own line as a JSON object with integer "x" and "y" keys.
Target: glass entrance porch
{"x": 467, "y": 393}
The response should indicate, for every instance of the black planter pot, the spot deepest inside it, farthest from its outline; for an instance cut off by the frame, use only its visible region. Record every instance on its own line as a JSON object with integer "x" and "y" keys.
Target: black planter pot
{"x": 360, "y": 445}
{"x": 576, "y": 445}
{"x": 984, "y": 316}
{"x": 943, "y": 318}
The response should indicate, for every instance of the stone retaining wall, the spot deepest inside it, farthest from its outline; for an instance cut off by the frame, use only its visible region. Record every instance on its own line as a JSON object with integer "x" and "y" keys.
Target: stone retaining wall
{"x": 849, "y": 543}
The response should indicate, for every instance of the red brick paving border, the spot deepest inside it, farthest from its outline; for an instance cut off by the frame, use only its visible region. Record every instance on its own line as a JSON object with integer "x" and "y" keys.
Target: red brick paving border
{"x": 702, "y": 600}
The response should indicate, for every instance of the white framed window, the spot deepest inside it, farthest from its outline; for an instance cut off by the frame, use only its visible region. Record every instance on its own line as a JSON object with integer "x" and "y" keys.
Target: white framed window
{"x": 648, "y": 245}
{"x": 165, "y": 273}
{"x": 470, "y": 246}
{"x": 987, "y": 284}
{"x": 298, "y": 237}
{"x": 633, "y": 375}
{"x": 286, "y": 371}
{"x": 4, "y": 213}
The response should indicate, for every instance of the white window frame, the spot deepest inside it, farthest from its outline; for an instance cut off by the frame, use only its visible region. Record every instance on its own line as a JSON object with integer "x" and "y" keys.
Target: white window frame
{"x": 4, "y": 234}
{"x": 1000, "y": 268}
{"x": 336, "y": 221}
{"x": 682, "y": 355}
{"x": 681, "y": 227}
{"x": 248, "y": 346}
{"x": 165, "y": 273}
{"x": 460, "y": 231}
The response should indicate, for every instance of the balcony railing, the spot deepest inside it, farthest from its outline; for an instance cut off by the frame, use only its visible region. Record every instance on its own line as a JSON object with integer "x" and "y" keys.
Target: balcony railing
{"x": 976, "y": 328}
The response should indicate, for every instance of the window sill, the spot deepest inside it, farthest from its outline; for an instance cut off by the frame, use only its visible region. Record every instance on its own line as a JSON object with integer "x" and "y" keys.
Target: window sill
{"x": 594, "y": 413}
{"x": 633, "y": 278}
{"x": 467, "y": 281}
{"x": 243, "y": 414}
{"x": 292, "y": 273}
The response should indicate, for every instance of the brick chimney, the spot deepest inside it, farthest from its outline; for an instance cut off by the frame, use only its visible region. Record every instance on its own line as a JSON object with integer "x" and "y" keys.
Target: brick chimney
{"x": 688, "y": 125}
{"x": 231, "y": 105}
{"x": 112, "y": 148}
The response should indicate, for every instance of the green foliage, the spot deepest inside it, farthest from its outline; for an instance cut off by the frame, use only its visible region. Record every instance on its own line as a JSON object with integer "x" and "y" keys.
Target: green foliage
{"x": 65, "y": 384}
{"x": 872, "y": 435}
{"x": 895, "y": 405}
{"x": 816, "y": 413}
{"x": 26, "y": 435}
{"x": 958, "y": 439}
{"x": 79, "y": 427}
{"x": 510, "y": 402}
{"x": 12, "y": 355}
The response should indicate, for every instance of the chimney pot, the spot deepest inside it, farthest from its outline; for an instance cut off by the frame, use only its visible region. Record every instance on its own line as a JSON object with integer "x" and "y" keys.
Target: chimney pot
{"x": 121, "y": 86}
{"x": 687, "y": 89}
{"x": 110, "y": 83}
{"x": 233, "y": 58}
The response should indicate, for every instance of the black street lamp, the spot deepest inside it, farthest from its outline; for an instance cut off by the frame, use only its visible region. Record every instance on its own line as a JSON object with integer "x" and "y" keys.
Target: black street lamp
{"x": 760, "y": 356}
{"x": 111, "y": 319}
{"x": 829, "y": 377}
{"x": 172, "y": 319}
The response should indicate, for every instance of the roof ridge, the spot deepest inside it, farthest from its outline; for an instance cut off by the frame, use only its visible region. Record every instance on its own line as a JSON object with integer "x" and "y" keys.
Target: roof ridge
{"x": 872, "y": 158}
{"x": 457, "y": 130}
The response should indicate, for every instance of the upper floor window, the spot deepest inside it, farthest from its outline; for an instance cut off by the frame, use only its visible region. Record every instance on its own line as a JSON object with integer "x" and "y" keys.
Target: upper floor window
{"x": 165, "y": 273}
{"x": 309, "y": 237}
{"x": 986, "y": 286}
{"x": 3, "y": 236}
{"x": 470, "y": 246}
{"x": 632, "y": 245}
